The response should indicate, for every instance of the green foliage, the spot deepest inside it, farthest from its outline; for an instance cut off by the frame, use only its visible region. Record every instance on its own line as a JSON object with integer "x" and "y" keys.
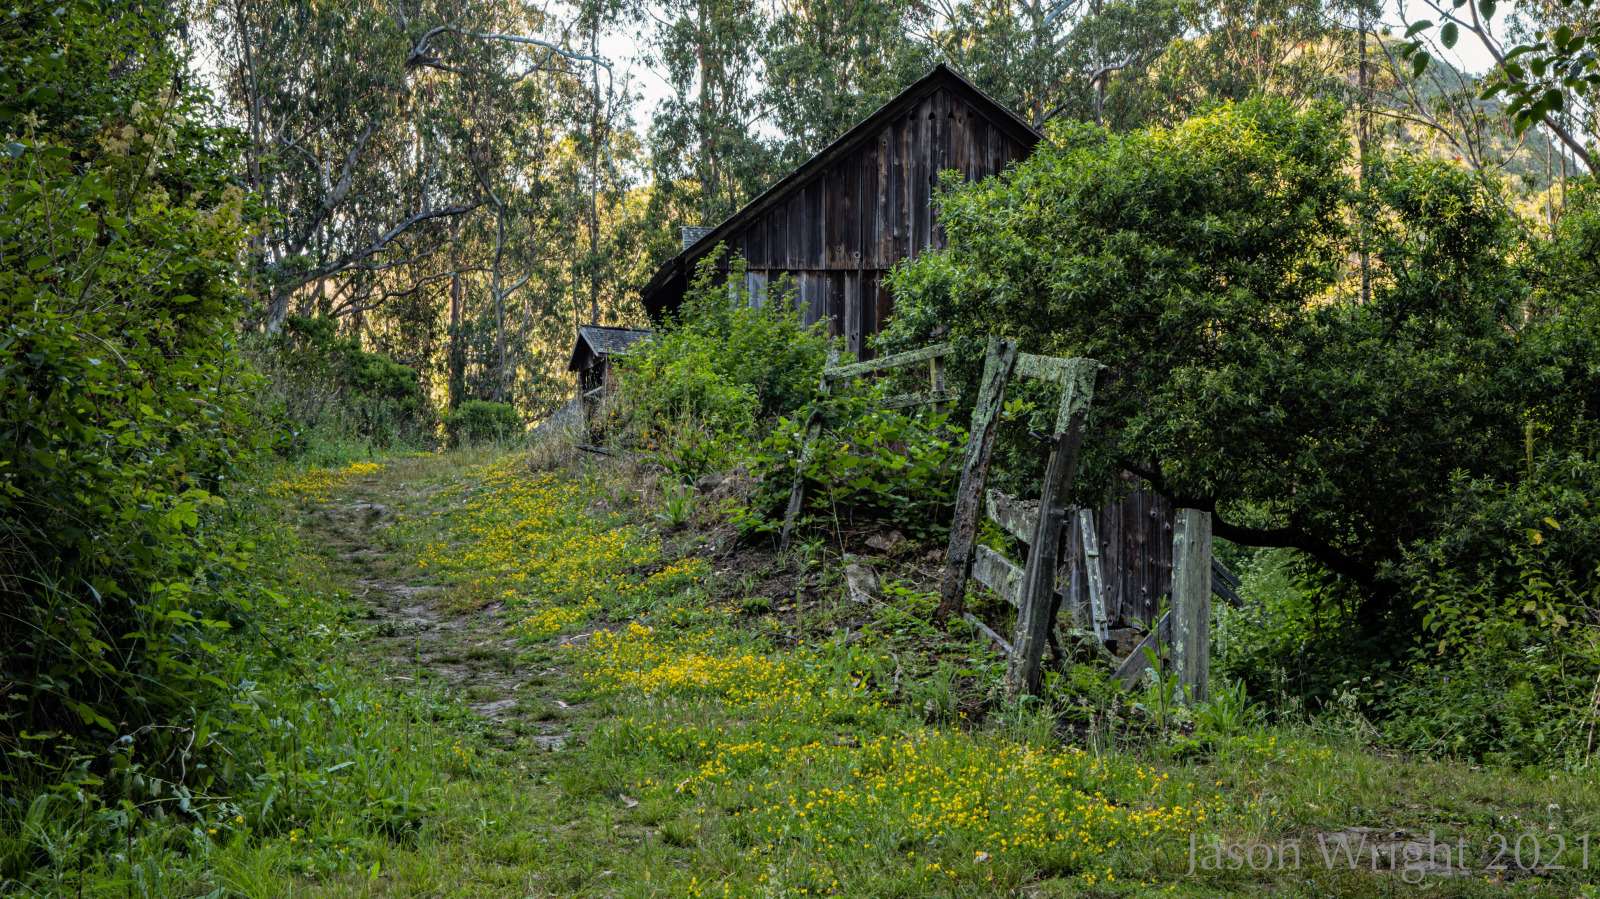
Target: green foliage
{"x": 1213, "y": 269}
{"x": 725, "y": 359}
{"x": 327, "y": 388}
{"x": 871, "y": 466}
{"x": 477, "y": 421}
{"x": 123, "y": 403}
{"x": 677, "y": 505}
{"x": 1507, "y": 592}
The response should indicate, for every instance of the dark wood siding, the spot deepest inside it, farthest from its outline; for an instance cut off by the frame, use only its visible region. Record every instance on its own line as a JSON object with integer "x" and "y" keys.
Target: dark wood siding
{"x": 841, "y": 230}
{"x": 1135, "y": 537}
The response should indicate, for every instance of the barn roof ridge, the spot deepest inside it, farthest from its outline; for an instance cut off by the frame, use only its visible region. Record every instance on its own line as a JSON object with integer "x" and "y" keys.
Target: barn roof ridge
{"x": 941, "y": 75}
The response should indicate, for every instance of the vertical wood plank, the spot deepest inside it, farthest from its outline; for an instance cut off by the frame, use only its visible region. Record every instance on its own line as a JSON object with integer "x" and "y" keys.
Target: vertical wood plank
{"x": 1094, "y": 570}
{"x": 998, "y": 363}
{"x": 1191, "y": 603}
{"x": 850, "y": 324}
{"x": 834, "y": 307}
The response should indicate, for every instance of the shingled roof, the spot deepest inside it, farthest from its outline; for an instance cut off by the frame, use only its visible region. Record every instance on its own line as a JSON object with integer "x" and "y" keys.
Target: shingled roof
{"x": 602, "y": 340}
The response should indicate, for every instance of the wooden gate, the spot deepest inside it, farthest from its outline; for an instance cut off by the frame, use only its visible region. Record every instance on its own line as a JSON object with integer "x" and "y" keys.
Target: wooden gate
{"x": 1051, "y": 576}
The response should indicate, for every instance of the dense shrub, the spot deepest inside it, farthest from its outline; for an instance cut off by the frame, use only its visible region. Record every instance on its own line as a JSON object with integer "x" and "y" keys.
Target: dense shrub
{"x": 872, "y": 467}
{"x": 326, "y": 388}
{"x": 124, "y": 405}
{"x": 1510, "y": 598}
{"x": 726, "y": 358}
{"x": 476, "y": 421}
{"x": 1212, "y": 268}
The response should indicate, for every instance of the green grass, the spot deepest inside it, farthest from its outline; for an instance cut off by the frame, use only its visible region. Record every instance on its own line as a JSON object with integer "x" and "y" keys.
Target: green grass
{"x": 715, "y": 745}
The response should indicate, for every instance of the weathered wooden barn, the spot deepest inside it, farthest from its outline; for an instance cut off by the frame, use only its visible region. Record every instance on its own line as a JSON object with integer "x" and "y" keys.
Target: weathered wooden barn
{"x": 840, "y": 221}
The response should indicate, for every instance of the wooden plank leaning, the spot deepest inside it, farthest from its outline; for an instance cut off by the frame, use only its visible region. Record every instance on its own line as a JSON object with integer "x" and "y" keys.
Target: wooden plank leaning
{"x": 998, "y": 363}
{"x": 797, "y": 491}
{"x": 1017, "y": 517}
{"x": 1077, "y": 378}
{"x": 833, "y": 373}
{"x": 996, "y": 572}
{"x": 1132, "y": 668}
{"x": 936, "y": 398}
{"x": 987, "y": 631}
{"x": 1091, "y": 559}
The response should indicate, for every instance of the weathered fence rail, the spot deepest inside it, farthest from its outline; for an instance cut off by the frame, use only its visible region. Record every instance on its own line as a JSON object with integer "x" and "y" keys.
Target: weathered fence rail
{"x": 832, "y": 373}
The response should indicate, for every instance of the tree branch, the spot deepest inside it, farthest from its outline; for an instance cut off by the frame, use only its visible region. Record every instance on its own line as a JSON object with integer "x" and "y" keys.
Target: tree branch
{"x": 1287, "y": 538}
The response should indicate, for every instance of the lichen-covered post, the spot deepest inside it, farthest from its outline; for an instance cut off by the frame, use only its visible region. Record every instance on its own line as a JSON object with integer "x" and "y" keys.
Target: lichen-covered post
{"x": 1191, "y": 603}
{"x": 1034, "y": 618}
{"x": 998, "y": 362}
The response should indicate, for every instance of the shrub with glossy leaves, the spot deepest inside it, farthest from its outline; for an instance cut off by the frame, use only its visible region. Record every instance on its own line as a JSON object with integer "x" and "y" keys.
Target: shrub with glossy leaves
{"x": 726, "y": 357}
{"x": 1215, "y": 270}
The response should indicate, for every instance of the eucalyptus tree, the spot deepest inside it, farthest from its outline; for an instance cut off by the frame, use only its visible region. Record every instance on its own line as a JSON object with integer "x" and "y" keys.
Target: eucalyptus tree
{"x": 353, "y": 112}
{"x": 1546, "y": 61}
{"x": 831, "y": 63}
{"x": 1050, "y": 59}
{"x": 1298, "y": 50}
{"x": 706, "y": 150}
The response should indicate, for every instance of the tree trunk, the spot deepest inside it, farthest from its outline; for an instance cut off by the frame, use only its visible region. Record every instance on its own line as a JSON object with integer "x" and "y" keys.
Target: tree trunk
{"x": 457, "y": 362}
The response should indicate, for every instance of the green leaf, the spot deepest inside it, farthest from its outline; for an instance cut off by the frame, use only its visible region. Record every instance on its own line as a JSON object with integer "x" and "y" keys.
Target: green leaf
{"x": 1561, "y": 36}
{"x": 1486, "y": 9}
{"x": 1419, "y": 63}
{"x": 1449, "y": 34}
{"x": 1418, "y": 28}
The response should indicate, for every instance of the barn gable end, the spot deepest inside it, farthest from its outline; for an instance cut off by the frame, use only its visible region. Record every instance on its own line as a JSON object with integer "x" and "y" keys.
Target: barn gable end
{"x": 841, "y": 220}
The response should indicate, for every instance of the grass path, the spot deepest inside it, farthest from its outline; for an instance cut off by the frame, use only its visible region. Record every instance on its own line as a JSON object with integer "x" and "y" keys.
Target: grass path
{"x": 602, "y": 712}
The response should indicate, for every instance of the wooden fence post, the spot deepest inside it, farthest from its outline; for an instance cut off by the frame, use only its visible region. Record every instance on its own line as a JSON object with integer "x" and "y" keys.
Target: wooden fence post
{"x": 1034, "y": 619}
{"x": 998, "y": 362}
{"x": 1191, "y": 603}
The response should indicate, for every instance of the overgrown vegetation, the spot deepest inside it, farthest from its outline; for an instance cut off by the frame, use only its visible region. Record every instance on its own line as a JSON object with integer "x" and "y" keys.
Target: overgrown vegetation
{"x": 263, "y": 636}
{"x": 126, "y": 408}
{"x": 332, "y": 396}
{"x": 1349, "y": 369}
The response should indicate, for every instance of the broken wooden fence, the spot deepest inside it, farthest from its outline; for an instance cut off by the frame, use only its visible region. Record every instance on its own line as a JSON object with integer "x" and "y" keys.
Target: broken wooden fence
{"x": 833, "y": 373}
{"x": 1032, "y": 588}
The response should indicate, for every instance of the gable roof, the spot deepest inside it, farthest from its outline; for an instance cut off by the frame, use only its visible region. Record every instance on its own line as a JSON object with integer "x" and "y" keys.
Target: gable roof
{"x": 603, "y": 340}
{"x": 679, "y": 267}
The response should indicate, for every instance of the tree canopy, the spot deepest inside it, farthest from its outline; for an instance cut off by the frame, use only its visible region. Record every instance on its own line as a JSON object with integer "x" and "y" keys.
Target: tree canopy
{"x": 1214, "y": 269}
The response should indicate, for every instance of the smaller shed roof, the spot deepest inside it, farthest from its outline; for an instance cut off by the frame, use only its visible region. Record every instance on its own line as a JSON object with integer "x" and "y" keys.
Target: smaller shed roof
{"x": 602, "y": 340}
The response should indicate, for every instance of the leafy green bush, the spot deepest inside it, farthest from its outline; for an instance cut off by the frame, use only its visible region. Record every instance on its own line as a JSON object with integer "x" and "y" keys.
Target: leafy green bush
{"x": 124, "y": 404}
{"x": 721, "y": 360}
{"x": 871, "y": 467}
{"x": 1508, "y": 595}
{"x": 327, "y": 389}
{"x": 478, "y": 421}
